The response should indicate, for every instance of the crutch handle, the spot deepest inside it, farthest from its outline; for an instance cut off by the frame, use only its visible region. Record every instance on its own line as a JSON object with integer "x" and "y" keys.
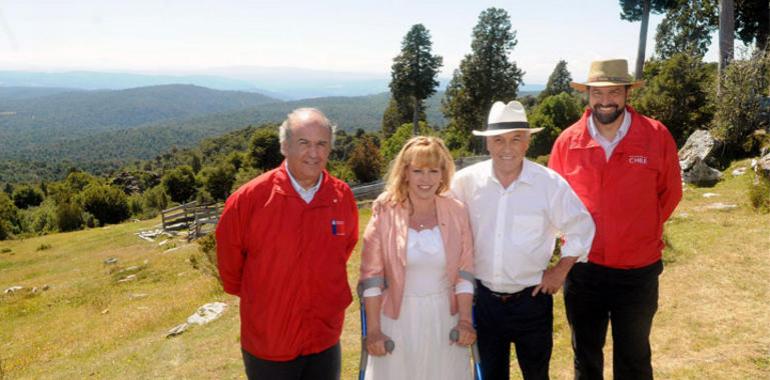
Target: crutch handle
{"x": 390, "y": 345}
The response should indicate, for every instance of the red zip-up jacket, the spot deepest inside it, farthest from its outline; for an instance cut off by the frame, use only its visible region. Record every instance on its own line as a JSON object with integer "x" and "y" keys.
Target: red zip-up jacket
{"x": 286, "y": 260}
{"x": 630, "y": 195}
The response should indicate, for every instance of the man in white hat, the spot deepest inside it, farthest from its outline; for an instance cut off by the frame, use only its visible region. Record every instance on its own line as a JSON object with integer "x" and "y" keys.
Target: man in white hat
{"x": 517, "y": 209}
{"x": 625, "y": 169}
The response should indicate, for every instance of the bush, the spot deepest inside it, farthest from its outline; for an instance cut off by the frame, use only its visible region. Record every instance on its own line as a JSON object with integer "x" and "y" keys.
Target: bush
{"x": 180, "y": 184}
{"x": 365, "y": 161}
{"x": 136, "y": 205}
{"x": 218, "y": 180}
{"x": 26, "y": 196}
{"x": 677, "y": 94}
{"x": 554, "y": 113}
{"x": 107, "y": 204}
{"x": 69, "y": 216}
{"x": 155, "y": 199}
{"x": 205, "y": 259}
{"x": 739, "y": 105}
{"x": 265, "y": 149}
{"x": 9, "y": 217}
{"x": 392, "y": 145}
{"x": 759, "y": 193}
{"x": 41, "y": 219}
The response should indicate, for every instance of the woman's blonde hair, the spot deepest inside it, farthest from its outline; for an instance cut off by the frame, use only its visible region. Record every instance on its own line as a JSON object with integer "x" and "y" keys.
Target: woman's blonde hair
{"x": 419, "y": 151}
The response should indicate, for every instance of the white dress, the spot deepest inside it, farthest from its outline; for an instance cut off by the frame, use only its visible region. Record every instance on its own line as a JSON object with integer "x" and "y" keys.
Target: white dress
{"x": 421, "y": 332}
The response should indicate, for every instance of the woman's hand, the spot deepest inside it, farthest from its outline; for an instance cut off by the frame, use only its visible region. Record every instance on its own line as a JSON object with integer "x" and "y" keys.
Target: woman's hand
{"x": 467, "y": 334}
{"x": 375, "y": 343}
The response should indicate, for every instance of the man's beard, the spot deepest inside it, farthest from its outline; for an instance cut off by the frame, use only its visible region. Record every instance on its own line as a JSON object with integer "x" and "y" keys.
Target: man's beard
{"x": 607, "y": 118}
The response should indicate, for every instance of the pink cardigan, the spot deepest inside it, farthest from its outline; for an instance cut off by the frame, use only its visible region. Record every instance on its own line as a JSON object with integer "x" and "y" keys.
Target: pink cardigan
{"x": 383, "y": 258}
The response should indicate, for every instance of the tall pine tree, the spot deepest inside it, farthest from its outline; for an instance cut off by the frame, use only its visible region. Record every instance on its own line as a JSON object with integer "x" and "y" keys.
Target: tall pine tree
{"x": 414, "y": 71}
{"x": 687, "y": 28}
{"x": 485, "y": 76}
{"x": 639, "y": 10}
{"x": 558, "y": 82}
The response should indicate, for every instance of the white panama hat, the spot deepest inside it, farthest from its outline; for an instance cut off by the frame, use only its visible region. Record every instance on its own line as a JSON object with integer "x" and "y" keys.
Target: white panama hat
{"x": 504, "y": 118}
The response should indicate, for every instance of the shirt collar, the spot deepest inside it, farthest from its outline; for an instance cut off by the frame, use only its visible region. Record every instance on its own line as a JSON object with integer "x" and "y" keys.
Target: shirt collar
{"x": 308, "y": 194}
{"x": 526, "y": 175}
{"x": 624, "y": 126}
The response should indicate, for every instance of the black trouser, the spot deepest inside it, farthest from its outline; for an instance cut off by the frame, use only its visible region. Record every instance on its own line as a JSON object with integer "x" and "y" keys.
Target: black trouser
{"x": 324, "y": 365}
{"x": 521, "y": 319}
{"x": 595, "y": 295}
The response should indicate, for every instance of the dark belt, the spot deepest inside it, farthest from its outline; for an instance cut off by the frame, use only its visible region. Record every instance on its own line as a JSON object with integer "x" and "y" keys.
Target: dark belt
{"x": 504, "y": 297}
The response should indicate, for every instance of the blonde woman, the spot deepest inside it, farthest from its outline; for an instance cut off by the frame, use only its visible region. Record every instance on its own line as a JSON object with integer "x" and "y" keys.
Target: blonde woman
{"x": 416, "y": 270}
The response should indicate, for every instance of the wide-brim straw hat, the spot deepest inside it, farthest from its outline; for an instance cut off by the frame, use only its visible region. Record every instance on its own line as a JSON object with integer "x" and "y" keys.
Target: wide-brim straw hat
{"x": 611, "y": 72}
{"x": 504, "y": 118}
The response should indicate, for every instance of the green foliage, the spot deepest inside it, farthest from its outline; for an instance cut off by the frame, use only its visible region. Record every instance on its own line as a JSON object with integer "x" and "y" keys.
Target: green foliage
{"x": 136, "y": 205}
{"x": 265, "y": 149}
{"x": 205, "y": 260}
{"x": 752, "y": 22}
{"x": 554, "y": 113}
{"x": 687, "y": 29}
{"x": 245, "y": 175}
{"x": 485, "y": 76}
{"x": 343, "y": 145}
{"x": 397, "y": 113}
{"x": 365, "y": 161}
{"x": 558, "y": 81}
{"x": 155, "y": 199}
{"x": 677, "y": 94}
{"x": 392, "y": 145}
{"x": 26, "y": 196}
{"x": 759, "y": 193}
{"x": 632, "y": 10}
{"x": 9, "y": 219}
{"x": 738, "y": 106}
{"x": 109, "y": 205}
{"x": 341, "y": 170}
{"x": 69, "y": 216}
{"x": 41, "y": 219}
{"x": 180, "y": 184}
{"x": 218, "y": 180}
{"x": 414, "y": 70}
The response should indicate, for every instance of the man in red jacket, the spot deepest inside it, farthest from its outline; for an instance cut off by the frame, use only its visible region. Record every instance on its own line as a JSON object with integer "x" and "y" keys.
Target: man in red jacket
{"x": 625, "y": 169}
{"x": 283, "y": 242}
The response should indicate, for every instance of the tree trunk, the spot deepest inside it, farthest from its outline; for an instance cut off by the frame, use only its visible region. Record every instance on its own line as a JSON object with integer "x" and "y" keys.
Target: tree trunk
{"x": 642, "y": 40}
{"x": 763, "y": 31}
{"x": 416, "y": 117}
{"x": 726, "y": 37}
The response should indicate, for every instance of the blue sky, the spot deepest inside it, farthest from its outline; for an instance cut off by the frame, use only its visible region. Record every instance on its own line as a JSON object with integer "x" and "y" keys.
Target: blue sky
{"x": 193, "y": 36}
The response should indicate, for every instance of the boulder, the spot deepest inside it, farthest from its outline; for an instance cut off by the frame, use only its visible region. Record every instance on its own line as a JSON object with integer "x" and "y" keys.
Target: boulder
{"x": 763, "y": 166}
{"x": 701, "y": 174}
{"x": 698, "y": 159}
{"x": 207, "y": 313}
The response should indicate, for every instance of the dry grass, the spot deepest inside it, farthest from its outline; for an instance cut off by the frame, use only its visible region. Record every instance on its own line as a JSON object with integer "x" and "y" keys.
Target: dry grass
{"x": 712, "y": 322}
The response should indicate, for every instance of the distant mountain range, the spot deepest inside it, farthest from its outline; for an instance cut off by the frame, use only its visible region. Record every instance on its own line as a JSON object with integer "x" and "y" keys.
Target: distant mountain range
{"x": 277, "y": 82}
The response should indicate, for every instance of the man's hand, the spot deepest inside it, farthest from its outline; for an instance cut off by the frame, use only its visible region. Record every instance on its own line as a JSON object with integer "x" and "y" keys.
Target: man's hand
{"x": 467, "y": 333}
{"x": 553, "y": 278}
{"x": 375, "y": 343}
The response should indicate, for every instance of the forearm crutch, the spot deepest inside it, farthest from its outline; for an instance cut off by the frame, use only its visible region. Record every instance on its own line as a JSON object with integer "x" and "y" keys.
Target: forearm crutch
{"x": 389, "y": 344}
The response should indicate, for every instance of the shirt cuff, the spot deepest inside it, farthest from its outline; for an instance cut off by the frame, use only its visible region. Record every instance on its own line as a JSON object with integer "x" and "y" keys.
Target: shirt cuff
{"x": 372, "y": 292}
{"x": 464, "y": 286}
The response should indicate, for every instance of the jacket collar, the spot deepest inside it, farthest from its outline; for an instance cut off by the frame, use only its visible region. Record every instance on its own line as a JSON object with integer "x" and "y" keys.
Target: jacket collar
{"x": 282, "y": 185}
{"x": 402, "y": 225}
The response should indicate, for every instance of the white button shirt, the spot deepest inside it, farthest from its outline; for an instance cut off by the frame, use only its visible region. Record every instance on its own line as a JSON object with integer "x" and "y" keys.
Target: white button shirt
{"x": 514, "y": 229}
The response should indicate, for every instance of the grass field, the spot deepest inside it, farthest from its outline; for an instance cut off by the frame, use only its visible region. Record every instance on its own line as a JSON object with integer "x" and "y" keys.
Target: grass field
{"x": 712, "y": 321}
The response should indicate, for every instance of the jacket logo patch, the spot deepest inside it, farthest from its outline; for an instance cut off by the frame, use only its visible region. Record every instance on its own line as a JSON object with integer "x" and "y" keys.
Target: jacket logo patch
{"x": 638, "y": 160}
{"x": 338, "y": 227}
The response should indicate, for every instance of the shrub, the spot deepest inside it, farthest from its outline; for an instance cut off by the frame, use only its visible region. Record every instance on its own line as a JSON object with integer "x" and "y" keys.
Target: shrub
{"x": 41, "y": 219}
{"x": 155, "y": 199}
{"x": 26, "y": 196}
{"x": 554, "y": 114}
{"x": 108, "y": 204}
{"x": 180, "y": 184}
{"x": 69, "y": 216}
{"x": 392, "y": 145}
{"x": 218, "y": 180}
{"x": 759, "y": 193}
{"x": 205, "y": 260}
{"x": 9, "y": 217}
{"x": 365, "y": 161}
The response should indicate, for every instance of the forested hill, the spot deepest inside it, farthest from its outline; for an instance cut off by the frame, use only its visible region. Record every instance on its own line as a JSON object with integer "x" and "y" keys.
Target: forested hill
{"x": 99, "y": 131}
{"x": 29, "y": 123}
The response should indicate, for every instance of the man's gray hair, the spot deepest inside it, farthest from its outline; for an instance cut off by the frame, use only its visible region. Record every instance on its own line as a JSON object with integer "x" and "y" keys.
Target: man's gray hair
{"x": 284, "y": 132}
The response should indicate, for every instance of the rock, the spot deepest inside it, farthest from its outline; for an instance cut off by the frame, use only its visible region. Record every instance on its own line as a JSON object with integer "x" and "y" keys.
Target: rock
{"x": 105, "y": 311}
{"x": 739, "y": 171}
{"x": 34, "y": 290}
{"x": 110, "y": 261}
{"x": 763, "y": 166}
{"x": 136, "y": 296}
{"x": 13, "y": 289}
{"x": 46, "y": 287}
{"x": 207, "y": 313}
{"x": 721, "y": 206}
{"x": 710, "y": 195}
{"x": 700, "y": 174}
{"x": 177, "y": 330}
{"x": 700, "y": 146}
{"x": 128, "y": 278}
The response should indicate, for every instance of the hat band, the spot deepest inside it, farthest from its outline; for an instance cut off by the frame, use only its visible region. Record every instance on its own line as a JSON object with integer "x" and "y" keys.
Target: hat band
{"x": 609, "y": 79}
{"x": 508, "y": 125}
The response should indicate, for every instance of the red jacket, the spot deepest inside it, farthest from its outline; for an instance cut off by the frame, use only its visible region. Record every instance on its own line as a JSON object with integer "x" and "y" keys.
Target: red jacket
{"x": 630, "y": 195}
{"x": 286, "y": 260}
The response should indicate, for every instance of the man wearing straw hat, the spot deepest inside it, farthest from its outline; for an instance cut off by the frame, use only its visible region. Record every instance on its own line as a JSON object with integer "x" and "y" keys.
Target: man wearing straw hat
{"x": 624, "y": 167}
{"x": 517, "y": 208}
